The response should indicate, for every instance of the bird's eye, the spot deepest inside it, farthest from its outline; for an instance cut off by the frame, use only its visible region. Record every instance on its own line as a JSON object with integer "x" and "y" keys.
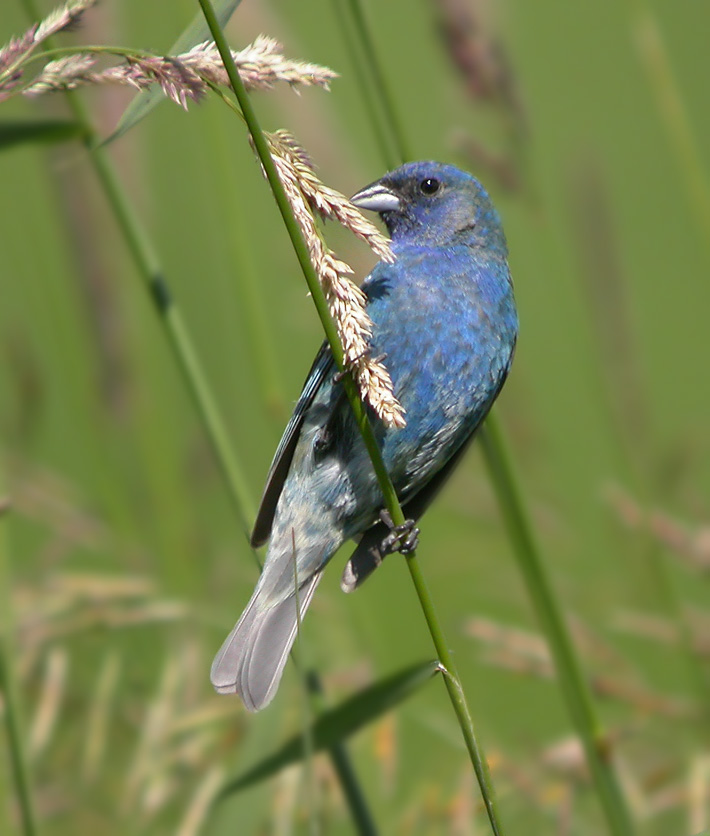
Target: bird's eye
{"x": 429, "y": 186}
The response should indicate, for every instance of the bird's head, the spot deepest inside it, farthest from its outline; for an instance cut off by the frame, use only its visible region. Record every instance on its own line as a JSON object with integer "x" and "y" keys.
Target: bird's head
{"x": 431, "y": 203}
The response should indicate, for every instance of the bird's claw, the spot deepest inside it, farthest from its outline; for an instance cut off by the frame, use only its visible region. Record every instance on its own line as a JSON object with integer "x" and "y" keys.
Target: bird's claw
{"x": 401, "y": 538}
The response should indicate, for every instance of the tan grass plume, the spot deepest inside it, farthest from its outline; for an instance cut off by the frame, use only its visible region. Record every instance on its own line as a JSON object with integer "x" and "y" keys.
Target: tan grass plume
{"x": 188, "y": 76}
{"x": 307, "y": 194}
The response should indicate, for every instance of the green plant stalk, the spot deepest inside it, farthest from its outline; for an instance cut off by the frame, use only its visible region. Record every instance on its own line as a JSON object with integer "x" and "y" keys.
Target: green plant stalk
{"x": 674, "y": 115}
{"x": 8, "y": 686}
{"x": 255, "y": 317}
{"x": 379, "y": 80}
{"x": 572, "y": 683}
{"x": 390, "y": 496}
{"x": 150, "y": 271}
{"x": 364, "y": 76}
{"x": 341, "y": 762}
{"x": 301, "y": 251}
{"x": 308, "y": 707}
{"x": 456, "y": 693}
{"x": 180, "y": 341}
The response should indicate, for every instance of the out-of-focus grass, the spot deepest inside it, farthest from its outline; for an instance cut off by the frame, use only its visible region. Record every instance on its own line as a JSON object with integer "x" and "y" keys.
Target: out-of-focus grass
{"x": 128, "y": 562}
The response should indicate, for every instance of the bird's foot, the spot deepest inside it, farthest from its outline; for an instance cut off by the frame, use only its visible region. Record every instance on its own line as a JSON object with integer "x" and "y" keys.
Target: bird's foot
{"x": 350, "y": 364}
{"x": 401, "y": 538}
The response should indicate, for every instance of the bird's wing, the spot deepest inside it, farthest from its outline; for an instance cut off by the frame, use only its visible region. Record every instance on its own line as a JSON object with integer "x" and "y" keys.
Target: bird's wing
{"x": 322, "y": 366}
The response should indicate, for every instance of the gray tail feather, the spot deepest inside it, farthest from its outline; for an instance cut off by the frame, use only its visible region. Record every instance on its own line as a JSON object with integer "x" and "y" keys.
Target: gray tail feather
{"x": 252, "y": 658}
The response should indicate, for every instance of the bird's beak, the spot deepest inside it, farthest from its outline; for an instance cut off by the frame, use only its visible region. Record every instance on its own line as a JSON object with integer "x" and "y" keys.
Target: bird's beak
{"x": 377, "y": 198}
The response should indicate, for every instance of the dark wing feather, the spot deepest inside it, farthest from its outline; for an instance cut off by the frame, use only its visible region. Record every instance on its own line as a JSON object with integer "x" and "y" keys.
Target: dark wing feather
{"x": 322, "y": 366}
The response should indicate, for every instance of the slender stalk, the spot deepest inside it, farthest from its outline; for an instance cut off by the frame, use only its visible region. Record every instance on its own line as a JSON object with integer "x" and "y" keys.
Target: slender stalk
{"x": 344, "y": 769}
{"x": 456, "y": 694}
{"x": 301, "y": 251}
{"x": 255, "y": 317}
{"x": 674, "y": 115}
{"x": 151, "y": 273}
{"x": 178, "y": 336}
{"x": 308, "y": 707}
{"x": 572, "y": 683}
{"x": 8, "y": 686}
{"x": 391, "y": 501}
{"x": 362, "y": 72}
{"x": 380, "y": 81}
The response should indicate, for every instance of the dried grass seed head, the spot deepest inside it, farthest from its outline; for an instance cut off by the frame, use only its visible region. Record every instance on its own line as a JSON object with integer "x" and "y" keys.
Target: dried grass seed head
{"x": 306, "y": 195}
{"x": 327, "y": 202}
{"x": 188, "y": 76}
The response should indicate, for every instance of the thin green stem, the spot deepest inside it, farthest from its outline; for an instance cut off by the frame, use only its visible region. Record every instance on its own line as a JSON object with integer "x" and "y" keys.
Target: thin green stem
{"x": 8, "y": 686}
{"x": 301, "y": 250}
{"x": 255, "y": 316}
{"x": 308, "y": 707}
{"x": 343, "y": 766}
{"x": 456, "y": 693}
{"x": 390, "y": 496}
{"x": 179, "y": 339}
{"x": 573, "y": 685}
{"x": 676, "y": 119}
{"x": 380, "y": 80}
{"x": 150, "y": 271}
{"x": 674, "y": 115}
{"x": 361, "y": 70}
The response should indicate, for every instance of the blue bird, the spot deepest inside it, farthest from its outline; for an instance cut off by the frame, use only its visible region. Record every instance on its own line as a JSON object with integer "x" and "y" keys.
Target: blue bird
{"x": 444, "y": 317}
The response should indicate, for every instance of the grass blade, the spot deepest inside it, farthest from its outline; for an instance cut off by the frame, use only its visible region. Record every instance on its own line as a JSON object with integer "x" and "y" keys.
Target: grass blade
{"x": 336, "y": 724}
{"x": 16, "y": 739}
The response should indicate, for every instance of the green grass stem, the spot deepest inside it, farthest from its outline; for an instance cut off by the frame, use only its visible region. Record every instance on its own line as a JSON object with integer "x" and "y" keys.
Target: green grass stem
{"x": 573, "y": 685}
{"x": 151, "y": 273}
{"x": 391, "y": 501}
{"x": 12, "y": 715}
{"x": 357, "y": 804}
{"x": 380, "y": 82}
{"x": 255, "y": 319}
{"x": 362, "y": 72}
{"x": 674, "y": 115}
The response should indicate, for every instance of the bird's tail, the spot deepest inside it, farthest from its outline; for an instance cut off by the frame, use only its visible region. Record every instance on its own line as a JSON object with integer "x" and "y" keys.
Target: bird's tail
{"x": 252, "y": 658}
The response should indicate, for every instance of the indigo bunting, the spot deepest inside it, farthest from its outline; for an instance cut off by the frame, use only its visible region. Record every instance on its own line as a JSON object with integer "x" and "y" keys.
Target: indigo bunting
{"x": 445, "y": 321}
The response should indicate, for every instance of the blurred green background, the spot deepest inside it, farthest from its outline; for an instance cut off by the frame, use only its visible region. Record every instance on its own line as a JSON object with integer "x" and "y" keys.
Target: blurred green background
{"x": 128, "y": 563}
